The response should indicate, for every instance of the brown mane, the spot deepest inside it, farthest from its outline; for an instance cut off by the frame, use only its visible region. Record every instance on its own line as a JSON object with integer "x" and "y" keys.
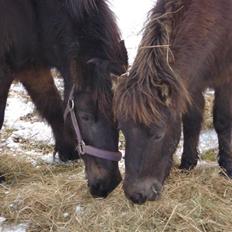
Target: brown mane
{"x": 138, "y": 96}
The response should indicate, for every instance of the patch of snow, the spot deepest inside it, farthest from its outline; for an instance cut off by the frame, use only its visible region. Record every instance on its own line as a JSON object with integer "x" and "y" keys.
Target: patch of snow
{"x": 17, "y": 107}
{"x": 66, "y": 215}
{"x": 10, "y": 143}
{"x": 59, "y": 84}
{"x": 18, "y": 87}
{"x": 49, "y": 159}
{"x": 208, "y": 141}
{"x": 131, "y": 16}
{"x": 2, "y": 219}
{"x": 13, "y": 228}
{"x": 37, "y": 131}
{"x": 4, "y": 227}
{"x": 78, "y": 210}
{"x": 121, "y": 163}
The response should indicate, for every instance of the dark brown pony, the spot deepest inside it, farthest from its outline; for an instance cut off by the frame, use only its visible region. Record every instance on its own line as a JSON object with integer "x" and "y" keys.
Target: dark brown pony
{"x": 81, "y": 39}
{"x": 186, "y": 48}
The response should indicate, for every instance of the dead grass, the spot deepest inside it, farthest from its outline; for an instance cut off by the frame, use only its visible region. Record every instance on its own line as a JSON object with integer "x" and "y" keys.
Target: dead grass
{"x": 47, "y": 198}
{"x": 39, "y": 147}
{"x": 31, "y": 117}
{"x": 6, "y": 133}
{"x": 208, "y": 119}
{"x": 210, "y": 155}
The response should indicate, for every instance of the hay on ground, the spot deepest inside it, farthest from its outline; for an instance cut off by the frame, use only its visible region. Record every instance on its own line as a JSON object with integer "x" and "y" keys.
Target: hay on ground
{"x": 56, "y": 198}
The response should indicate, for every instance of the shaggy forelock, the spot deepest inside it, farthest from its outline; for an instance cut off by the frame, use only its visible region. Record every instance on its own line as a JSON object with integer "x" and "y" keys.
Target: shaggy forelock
{"x": 137, "y": 97}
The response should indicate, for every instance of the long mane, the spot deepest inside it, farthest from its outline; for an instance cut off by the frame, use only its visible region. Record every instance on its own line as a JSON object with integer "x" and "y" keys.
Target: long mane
{"x": 101, "y": 37}
{"x": 79, "y": 8}
{"x": 138, "y": 96}
{"x": 99, "y": 24}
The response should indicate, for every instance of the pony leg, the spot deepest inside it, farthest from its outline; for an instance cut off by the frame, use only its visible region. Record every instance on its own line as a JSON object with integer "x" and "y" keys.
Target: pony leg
{"x": 192, "y": 121}
{"x": 222, "y": 115}
{"x": 5, "y": 83}
{"x": 40, "y": 86}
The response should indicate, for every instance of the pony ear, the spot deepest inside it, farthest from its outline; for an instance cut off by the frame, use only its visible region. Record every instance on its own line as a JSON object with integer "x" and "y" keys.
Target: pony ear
{"x": 165, "y": 93}
{"x": 106, "y": 66}
{"x": 117, "y": 68}
{"x": 114, "y": 80}
{"x": 117, "y": 79}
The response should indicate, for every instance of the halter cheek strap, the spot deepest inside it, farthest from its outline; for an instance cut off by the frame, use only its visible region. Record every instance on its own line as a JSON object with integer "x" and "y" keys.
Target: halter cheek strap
{"x": 82, "y": 148}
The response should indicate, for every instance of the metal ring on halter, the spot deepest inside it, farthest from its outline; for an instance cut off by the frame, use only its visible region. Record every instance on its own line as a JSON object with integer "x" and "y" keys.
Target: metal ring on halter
{"x": 71, "y": 104}
{"x": 81, "y": 147}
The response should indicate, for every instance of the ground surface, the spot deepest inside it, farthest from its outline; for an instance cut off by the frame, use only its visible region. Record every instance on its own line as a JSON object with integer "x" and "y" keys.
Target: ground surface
{"x": 42, "y": 195}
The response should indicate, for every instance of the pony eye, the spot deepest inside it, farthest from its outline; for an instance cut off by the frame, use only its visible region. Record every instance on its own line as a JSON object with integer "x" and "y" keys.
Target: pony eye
{"x": 157, "y": 136}
{"x": 86, "y": 117}
{"x": 157, "y": 133}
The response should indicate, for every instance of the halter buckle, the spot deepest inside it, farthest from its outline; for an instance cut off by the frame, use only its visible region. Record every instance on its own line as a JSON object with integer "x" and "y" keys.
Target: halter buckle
{"x": 81, "y": 147}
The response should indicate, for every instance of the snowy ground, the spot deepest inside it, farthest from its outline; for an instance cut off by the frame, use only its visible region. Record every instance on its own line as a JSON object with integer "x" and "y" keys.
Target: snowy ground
{"x": 22, "y": 124}
{"x": 25, "y": 125}
{"x": 11, "y": 228}
{"x": 131, "y": 16}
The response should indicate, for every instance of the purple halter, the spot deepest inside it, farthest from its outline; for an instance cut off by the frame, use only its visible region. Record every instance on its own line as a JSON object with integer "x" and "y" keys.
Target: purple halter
{"x": 82, "y": 148}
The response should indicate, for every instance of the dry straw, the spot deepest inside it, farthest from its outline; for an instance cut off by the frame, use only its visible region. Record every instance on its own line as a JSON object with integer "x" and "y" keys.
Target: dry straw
{"x": 56, "y": 198}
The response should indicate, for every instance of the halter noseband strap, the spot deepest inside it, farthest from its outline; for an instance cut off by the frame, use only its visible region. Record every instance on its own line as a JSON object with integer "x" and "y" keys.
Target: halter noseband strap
{"x": 82, "y": 148}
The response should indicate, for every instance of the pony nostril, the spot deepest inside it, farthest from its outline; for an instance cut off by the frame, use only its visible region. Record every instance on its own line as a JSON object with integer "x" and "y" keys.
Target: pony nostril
{"x": 2, "y": 178}
{"x": 98, "y": 190}
{"x": 138, "y": 198}
{"x": 154, "y": 189}
{"x": 155, "y": 193}
{"x": 97, "y": 186}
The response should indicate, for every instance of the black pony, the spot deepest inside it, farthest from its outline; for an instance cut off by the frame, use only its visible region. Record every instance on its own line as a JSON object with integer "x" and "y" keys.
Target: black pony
{"x": 81, "y": 39}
